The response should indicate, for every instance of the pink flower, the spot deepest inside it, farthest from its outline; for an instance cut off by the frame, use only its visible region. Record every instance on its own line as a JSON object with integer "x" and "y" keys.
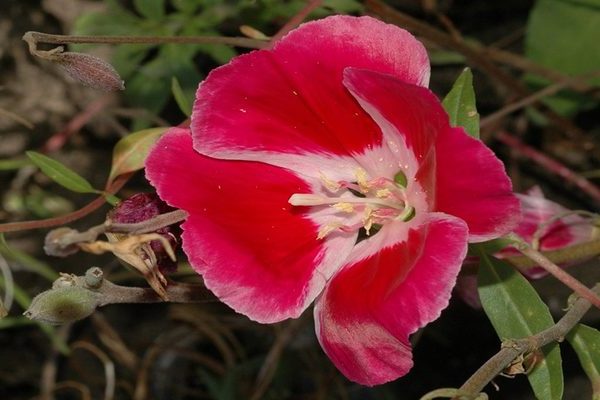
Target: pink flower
{"x": 295, "y": 151}
{"x": 548, "y": 226}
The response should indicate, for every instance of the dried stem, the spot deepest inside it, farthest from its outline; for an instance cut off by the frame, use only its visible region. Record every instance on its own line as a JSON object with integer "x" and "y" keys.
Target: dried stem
{"x": 110, "y": 293}
{"x": 550, "y": 164}
{"x": 33, "y": 38}
{"x": 534, "y": 98}
{"x": 512, "y": 349}
{"x": 474, "y": 54}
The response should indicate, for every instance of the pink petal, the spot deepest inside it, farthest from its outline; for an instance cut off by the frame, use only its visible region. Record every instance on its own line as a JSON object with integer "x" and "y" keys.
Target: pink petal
{"x": 410, "y": 118}
{"x": 369, "y": 309}
{"x": 472, "y": 185}
{"x": 291, "y": 99}
{"x": 566, "y": 231}
{"x": 255, "y": 252}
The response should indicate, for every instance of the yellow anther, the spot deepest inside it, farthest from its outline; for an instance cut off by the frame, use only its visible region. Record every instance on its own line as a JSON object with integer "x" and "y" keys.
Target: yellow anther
{"x": 368, "y": 220}
{"x": 344, "y": 207}
{"x": 362, "y": 179}
{"x": 330, "y": 184}
{"x": 327, "y": 229}
{"x": 383, "y": 193}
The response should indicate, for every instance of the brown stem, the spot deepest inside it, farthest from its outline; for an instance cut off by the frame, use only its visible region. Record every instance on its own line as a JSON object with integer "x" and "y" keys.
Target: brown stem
{"x": 550, "y": 164}
{"x": 114, "y": 187}
{"x": 110, "y": 293}
{"x": 512, "y": 349}
{"x": 474, "y": 54}
{"x": 32, "y": 38}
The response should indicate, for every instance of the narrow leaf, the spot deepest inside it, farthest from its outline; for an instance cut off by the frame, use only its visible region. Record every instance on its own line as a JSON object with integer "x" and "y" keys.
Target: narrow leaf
{"x": 61, "y": 174}
{"x": 130, "y": 152}
{"x": 586, "y": 343}
{"x": 516, "y": 311}
{"x": 185, "y": 105}
{"x": 460, "y": 104}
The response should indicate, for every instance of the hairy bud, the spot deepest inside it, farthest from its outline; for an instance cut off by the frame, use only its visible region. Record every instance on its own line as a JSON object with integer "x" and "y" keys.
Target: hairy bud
{"x": 90, "y": 71}
{"x": 62, "y": 304}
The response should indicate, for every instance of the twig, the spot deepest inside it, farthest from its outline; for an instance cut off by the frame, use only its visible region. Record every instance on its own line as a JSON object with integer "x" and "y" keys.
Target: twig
{"x": 512, "y": 349}
{"x": 32, "y": 38}
{"x": 114, "y": 187}
{"x": 61, "y": 238}
{"x": 16, "y": 118}
{"x": 110, "y": 293}
{"x": 533, "y": 98}
{"x": 576, "y": 252}
{"x": 267, "y": 371}
{"x": 555, "y": 270}
{"x": 474, "y": 54}
{"x": 9, "y": 287}
{"x": 109, "y": 367}
{"x": 525, "y": 64}
{"x": 56, "y": 141}
{"x": 550, "y": 164}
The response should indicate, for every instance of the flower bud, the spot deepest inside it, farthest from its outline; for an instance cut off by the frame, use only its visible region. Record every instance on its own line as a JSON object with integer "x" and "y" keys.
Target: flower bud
{"x": 54, "y": 246}
{"x": 141, "y": 207}
{"x": 90, "y": 71}
{"x": 62, "y": 305}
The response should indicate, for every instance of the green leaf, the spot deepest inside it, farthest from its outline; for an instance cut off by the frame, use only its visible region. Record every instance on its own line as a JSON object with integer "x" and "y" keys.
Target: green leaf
{"x": 563, "y": 35}
{"x": 586, "y": 343}
{"x": 130, "y": 152}
{"x": 60, "y": 173}
{"x": 460, "y": 104}
{"x": 152, "y": 9}
{"x": 516, "y": 311}
{"x": 184, "y": 103}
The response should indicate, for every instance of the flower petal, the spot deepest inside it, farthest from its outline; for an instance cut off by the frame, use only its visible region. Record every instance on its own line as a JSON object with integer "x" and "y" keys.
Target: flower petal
{"x": 291, "y": 99}
{"x": 369, "y": 309}
{"x": 410, "y": 117}
{"x": 256, "y": 252}
{"x": 471, "y": 184}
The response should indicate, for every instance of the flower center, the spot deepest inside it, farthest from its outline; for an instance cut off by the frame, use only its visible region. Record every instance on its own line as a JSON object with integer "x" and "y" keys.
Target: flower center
{"x": 363, "y": 203}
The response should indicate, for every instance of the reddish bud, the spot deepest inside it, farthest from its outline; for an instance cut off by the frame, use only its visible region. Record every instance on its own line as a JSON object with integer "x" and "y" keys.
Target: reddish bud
{"x": 90, "y": 71}
{"x": 141, "y": 207}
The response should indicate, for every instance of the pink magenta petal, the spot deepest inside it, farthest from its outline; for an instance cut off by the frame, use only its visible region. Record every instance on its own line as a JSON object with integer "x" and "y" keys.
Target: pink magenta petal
{"x": 453, "y": 173}
{"x": 369, "y": 309}
{"x": 410, "y": 118}
{"x": 255, "y": 252}
{"x": 472, "y": 185}
{"x": 291, "y": 99}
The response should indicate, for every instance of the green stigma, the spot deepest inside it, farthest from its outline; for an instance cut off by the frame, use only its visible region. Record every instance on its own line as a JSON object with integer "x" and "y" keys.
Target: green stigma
{"x": 400, "y": 179}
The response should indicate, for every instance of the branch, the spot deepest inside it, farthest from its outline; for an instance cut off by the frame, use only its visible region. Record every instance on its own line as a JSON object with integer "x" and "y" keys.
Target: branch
{"x": 555, "y": 270}
{"x": 72, "y": 298}
{"x": 33, "y": 38}
{"x": 514, "y": 348}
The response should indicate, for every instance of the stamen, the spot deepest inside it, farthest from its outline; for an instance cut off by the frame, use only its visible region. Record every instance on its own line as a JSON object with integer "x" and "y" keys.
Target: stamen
{"x": 330, "y": 184}
{"x": 344, "y": 207}
{"x": 361, "y": 179}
